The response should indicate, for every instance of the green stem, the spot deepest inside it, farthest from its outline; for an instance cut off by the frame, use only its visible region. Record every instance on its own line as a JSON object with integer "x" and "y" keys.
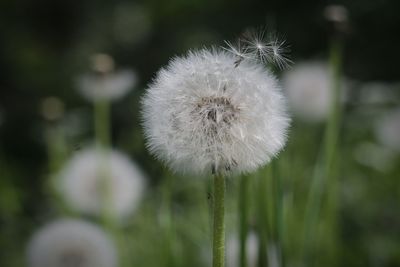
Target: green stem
{"x": 219, "y": 222}
{"x": 57, "y": 153}
{"x": 325, "y": 171}
{"x": 102, "y": 123}
{"x": 331, "y": 149}
{"x": 243, "y": 218}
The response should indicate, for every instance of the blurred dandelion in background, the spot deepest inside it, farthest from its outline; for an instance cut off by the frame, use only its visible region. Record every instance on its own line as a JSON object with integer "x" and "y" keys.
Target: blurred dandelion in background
{"x": 308, "y": 89}
{"x": 83, "y": 184}
{"x": 69, "y": 242}
{"x": 105, "y": 83}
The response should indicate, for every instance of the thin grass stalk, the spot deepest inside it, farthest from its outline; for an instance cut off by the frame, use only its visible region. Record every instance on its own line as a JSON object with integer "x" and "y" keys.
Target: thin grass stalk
{"x": 323, "y": 178}
{"x": 331, "y": 150}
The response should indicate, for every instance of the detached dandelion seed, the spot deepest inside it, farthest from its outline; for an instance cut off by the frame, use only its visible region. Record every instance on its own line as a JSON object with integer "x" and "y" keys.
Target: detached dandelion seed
{"x": 68, "y": 242}
{"x": 267, "y": 48}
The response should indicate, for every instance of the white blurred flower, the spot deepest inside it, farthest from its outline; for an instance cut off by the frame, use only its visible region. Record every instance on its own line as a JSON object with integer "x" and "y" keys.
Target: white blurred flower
{"x": 110, "y": 86}
{"x": 387, "y": 129}
{"x": 375, "y": 156}
{"x": 71, "y": 243}
{"x": 308, "y": 90}
{"x": 206, "y": 112}
{"x": 233, "y": 250}
{"x": 85, "y": 176}
{"x": 378, "y": 92}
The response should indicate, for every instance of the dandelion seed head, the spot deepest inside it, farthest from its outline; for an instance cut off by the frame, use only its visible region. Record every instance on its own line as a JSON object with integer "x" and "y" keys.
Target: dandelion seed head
{"x": 110, "y": 86}
{"x": 307, "y": 88}
{"x": 205, "y": 112}
{"x": 83, "y": 178}
{"x": 71, "y": 243}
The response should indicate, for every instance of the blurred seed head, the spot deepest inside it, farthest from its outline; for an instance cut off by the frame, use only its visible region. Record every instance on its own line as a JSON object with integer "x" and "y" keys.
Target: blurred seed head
{"x": 67, "y": 243}
{"x": 308, "y": 89}
{"x": 102, "y": 63}
{"x": 52, "y": 108}
{"x": 93, "y": 175}
{"x": 387, "y": 129}
{"x": 109, "y": 87}
{"x": 206, "y": 113}
{"x": 336, "y": 13}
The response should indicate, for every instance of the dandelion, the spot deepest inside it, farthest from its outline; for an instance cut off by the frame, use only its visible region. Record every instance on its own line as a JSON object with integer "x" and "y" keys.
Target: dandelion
{"x": 71, "y": 243}
{"x": 105, "y": 83}
{"x": 203, "y": 113}
{"x": 211, "y": 111}
{"x": 82, "y": 182}
{"x": 308, "y": 90}
{"x": 387, "y": 129}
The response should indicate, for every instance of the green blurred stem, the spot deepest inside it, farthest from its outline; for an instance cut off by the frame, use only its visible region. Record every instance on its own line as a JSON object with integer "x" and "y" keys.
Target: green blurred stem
{"x": 219, "y": 221}
{"x": 57, "y": 153}
{"x": 102, "y": 123}
{"x": 332, "y": 142}
{"x": 243, "y": 219}
{"x": 324, "y": 176}
{"x": 103, "y": 141}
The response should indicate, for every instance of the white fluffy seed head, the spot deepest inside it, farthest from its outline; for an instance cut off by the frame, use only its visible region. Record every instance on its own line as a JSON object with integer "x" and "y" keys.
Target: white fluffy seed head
{"x": 106, "y": 86}
{"x": 307, "y": 86}
{"x": 71, "y": 243}
{"x": 204, "y": 112}
{"x": 93, "y": 179}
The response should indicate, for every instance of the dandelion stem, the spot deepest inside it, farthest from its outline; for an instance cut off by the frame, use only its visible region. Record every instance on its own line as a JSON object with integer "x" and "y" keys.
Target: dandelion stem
{"x": 219, "y": 221}
{"x": 243, "y": 217}
{"x": 57, "y": 153}
{"x": 102, "y": 123}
